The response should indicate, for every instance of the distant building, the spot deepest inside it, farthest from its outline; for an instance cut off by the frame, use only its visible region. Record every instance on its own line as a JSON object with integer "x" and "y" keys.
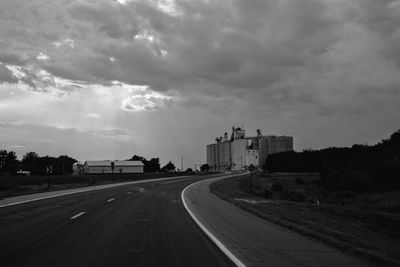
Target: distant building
{"x": 239, "y": 152}
{"x": 106, "y": 166}
{"x": 77, "y": 168}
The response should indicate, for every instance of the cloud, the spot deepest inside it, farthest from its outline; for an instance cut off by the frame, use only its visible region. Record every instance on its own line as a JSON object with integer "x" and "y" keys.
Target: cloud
{"x": 42, "y": 56}
{"x": 146, "y": 101}
{"x": 6, "y": 75}
{"x": 93, "y": 115}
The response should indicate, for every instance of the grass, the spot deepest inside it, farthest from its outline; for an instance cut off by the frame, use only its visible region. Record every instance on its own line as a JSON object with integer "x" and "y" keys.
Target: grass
{"x": 367, "y": 225}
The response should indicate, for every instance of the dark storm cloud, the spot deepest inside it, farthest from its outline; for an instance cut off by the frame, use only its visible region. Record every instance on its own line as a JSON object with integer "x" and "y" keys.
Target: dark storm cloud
{"x": 311, "y": 54}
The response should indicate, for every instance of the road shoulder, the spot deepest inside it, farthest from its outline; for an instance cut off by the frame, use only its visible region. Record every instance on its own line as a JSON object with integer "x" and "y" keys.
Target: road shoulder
{"x": 257, "y": 242}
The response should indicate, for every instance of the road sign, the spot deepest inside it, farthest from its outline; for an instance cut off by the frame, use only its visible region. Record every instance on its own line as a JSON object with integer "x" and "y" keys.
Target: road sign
{"x": 49, "y": 169}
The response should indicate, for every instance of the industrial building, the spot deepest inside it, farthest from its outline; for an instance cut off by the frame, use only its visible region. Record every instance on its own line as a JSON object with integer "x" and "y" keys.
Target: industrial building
{"x": 238, "y": 152}
{"x": 106, "y": 166}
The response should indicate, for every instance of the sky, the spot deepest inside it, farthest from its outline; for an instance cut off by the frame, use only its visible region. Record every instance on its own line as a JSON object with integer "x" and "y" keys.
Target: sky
{"x": 107, "y": 79}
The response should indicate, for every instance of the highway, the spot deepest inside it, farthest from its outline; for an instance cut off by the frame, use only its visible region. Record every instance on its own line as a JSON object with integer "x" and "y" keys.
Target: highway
{"x": 143, "y": 224}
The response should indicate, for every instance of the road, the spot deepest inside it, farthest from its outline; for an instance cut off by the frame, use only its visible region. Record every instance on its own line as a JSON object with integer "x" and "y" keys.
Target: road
{"x": 142, "y": 224}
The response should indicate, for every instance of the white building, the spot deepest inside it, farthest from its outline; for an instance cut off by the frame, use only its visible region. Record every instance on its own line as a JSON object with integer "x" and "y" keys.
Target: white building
{"x": 239, "y": 152}
{"x": 106, "y": 166}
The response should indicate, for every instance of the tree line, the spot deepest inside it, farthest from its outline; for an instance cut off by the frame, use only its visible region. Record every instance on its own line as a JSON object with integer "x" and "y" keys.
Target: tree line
{"x": 32, "y": 162}
{"x": 36, "y": 165}
{"x": 357, "y": 168}
{"x": 153, "y": 165}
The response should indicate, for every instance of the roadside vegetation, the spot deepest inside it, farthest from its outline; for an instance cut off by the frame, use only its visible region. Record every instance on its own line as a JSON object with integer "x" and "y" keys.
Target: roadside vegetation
{"x": 360, "y": 168}
{"x": 348, "y": 198}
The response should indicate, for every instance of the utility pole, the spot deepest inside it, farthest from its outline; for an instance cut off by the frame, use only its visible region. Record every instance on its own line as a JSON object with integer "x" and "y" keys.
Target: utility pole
{"x": 182, "y": 163}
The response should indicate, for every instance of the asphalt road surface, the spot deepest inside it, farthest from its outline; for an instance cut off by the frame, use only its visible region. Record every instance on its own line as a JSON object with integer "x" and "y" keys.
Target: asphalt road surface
{"x": 141, "y": 224}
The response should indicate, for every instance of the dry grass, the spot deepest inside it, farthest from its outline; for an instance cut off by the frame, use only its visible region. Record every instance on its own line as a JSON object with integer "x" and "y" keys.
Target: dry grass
{"x": 365, "y": 225}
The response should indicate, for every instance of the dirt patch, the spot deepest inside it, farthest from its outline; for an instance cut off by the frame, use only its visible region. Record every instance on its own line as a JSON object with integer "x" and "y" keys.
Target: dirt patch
{"x": 370, "y": 231}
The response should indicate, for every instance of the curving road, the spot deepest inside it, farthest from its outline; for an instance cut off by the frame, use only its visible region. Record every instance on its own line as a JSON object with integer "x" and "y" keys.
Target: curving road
{"x": 142, "y": 224}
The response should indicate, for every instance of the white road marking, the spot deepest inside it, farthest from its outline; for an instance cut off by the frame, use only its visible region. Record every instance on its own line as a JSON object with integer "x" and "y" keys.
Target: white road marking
{"x": 219, "y": 244}
{"x": 129, "y": 193}
{"x": 82, "y": 190}
{"x": 77, "y": 215}
{"x": 141, "y": 190}
{"x": 111, "y": 199}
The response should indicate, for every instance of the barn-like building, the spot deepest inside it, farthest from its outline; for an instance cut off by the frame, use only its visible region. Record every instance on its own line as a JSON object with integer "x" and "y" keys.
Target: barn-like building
{"x": 107, "y": 166}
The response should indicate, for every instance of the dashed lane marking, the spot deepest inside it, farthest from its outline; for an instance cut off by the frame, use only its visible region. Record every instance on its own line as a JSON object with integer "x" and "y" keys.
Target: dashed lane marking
{"x": 111, "y": 199}
{"x": 129, "y": 193}
{"x": 77, "y": 215}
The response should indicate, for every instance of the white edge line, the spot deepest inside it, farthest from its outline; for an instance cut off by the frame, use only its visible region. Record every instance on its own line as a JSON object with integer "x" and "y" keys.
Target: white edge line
{"x": 92, "y": 189}
{"x": 77, "y": 215}
{"x": 219, "y": 244}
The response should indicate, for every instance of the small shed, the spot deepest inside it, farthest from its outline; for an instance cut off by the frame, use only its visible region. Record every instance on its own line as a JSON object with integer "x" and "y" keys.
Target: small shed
{"x": 108, "y": 166}
{"x": 77, "y": 168}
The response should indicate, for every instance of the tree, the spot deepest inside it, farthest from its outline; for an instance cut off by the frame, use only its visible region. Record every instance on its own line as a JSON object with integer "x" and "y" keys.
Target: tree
{"x": 189, "y": 171}
{"x": 137, "y": 158}
{"x": 359, "y": 168}
{"x": 31, "y": 162}
{"x": 168, "y": 167}
{"x": 8, "y": 162}
{"x": 3, "y": 158}
{"x": 152, "y": 165}
{"x": 66, "y": 164}
{"x": 204, "y": 167}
